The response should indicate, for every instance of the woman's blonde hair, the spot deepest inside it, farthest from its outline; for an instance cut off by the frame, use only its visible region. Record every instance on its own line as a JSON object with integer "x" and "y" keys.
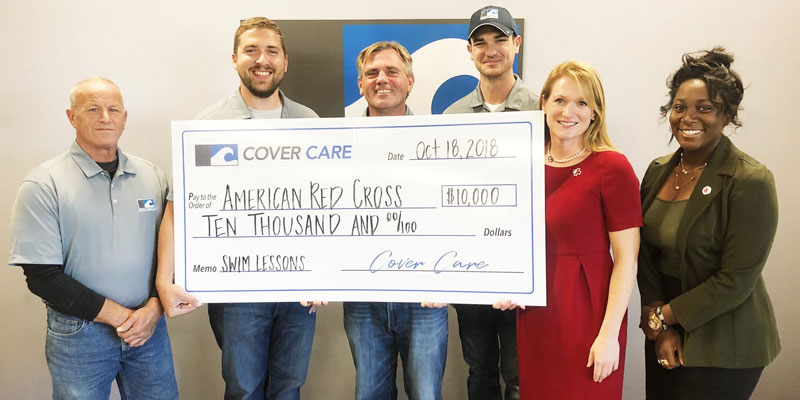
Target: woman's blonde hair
{"x": 585, "y": 76}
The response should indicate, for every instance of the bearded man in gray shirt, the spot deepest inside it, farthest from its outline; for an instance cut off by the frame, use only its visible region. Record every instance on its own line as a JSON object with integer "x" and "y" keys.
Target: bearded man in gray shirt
{"x": 266, "y": 347}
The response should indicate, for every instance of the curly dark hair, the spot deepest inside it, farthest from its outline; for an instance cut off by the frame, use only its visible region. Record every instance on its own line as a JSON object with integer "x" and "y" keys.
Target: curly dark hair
{"x": 713, "y": 68}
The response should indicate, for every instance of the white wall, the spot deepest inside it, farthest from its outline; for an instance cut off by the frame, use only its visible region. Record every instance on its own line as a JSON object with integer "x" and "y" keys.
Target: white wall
{"x": 171, "y": 59}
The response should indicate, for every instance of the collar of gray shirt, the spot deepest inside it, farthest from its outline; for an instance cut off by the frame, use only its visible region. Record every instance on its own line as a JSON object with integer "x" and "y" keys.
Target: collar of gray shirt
{"x": 517, "y": 97}
{"x": 90, "y": 167}
{"x": 366, "y": 111}
{"x": 289, "y": 109}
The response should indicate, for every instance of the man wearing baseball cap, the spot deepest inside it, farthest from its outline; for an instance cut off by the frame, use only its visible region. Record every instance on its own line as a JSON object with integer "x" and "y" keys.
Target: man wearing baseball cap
{"x": 488, "y": 336}
{"x": 493, "y": 46}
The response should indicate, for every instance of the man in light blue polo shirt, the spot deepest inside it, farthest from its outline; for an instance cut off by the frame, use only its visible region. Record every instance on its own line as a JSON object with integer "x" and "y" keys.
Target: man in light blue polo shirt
{"x": 84, "y": 230}
{"x": 266, "y": 347}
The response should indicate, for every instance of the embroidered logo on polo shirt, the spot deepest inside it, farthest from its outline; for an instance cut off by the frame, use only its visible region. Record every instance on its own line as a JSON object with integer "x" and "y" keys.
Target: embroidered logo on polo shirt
{"x": 146, "y": 205}
{"x": 490, "y": 13}
{"x": 216, "y": 155}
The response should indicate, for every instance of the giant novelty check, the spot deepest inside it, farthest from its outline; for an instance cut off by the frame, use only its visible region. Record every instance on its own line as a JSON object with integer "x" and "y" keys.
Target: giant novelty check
{"x": 416, "y": 208}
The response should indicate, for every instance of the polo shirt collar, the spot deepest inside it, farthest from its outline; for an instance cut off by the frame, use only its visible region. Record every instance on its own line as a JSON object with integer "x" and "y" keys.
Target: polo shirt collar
{"x": 366, "y": 111}
{"x": 90, "y": 167}
{"x": 124, "y": 164}
{"x": 241, "y": 111}
{"x": 513, "y": 101}
{"x": 476, "y": 98}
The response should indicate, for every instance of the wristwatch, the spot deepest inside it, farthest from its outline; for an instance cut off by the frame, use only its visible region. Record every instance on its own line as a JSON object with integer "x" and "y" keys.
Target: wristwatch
{"x": 656, "y": 320}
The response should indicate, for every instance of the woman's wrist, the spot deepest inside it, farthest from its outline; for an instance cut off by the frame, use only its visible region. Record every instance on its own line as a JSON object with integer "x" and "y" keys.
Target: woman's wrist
{"x": 608, "y": 333}
{"x": 669, "y": 316}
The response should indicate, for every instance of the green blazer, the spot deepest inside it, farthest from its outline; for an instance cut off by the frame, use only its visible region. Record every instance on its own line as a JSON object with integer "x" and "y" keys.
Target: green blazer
{"x": 724, "y": 238}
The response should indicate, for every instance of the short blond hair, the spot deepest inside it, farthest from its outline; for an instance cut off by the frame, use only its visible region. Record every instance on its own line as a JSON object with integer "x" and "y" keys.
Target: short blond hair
{"x": 588, "y": 80}
{"x": 370, "y": 50}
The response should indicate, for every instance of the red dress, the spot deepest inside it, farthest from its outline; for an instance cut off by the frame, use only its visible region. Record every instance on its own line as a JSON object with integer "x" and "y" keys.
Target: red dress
{"x": 583, "y": 203}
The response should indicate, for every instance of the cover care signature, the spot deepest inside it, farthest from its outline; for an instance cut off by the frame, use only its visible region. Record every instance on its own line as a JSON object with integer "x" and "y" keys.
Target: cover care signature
{"x": 449, "y": 261}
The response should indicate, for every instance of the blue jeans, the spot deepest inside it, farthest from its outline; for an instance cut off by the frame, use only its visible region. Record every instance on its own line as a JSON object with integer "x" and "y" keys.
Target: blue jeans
{"x": 84, "y": 357}
{"x": 489, "y": 338}
{"x": 377, "y": 332}
{"x": 265, "y": 347}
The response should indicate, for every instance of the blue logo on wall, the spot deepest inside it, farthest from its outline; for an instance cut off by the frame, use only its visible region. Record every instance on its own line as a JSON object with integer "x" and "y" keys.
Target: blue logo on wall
{"x": 443, "y": 71}
{"x": 216, "y": 155}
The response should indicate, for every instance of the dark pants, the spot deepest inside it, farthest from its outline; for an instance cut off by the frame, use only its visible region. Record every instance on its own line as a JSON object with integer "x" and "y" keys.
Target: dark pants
{"x": 702, "y": 383}
{"x": 488, "y": 339}
{"x": 684, "y": 383}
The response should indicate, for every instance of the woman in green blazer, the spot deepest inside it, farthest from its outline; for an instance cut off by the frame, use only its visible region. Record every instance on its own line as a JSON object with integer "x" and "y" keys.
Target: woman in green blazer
{"x": 710, "y": 215}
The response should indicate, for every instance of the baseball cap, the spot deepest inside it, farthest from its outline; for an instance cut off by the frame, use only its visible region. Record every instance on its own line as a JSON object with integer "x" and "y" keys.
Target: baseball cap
{"x": 495, "y": 16}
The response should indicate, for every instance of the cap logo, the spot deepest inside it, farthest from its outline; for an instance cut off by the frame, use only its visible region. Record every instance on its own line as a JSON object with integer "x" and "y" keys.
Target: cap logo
{"x": 490, "y": 13}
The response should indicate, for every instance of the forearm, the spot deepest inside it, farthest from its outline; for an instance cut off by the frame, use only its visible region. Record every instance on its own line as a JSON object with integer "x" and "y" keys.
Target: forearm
{"x": 722, "y": 292}
{"x": 711, "y": 299}
{"x": 174, "y": 299}
{"x": 166, "y": 250}
{"x": 625, "y": 247}
{"x": 153, "y": 307}
{"x": 62, "y": 292}
{"x": 620, "y": 290}
{"x": 113, "y": 313}
{"x": 669, "y": 316}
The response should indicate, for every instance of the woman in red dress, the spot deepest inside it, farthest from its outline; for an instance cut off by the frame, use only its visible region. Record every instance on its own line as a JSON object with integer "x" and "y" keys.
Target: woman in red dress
{"x": 574, "y": 348}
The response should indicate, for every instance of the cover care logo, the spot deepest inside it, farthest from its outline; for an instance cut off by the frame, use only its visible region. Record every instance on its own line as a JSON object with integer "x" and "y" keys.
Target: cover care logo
{"x": 216, "y": 155}
{"x": 226, "y": 155}
{"x": 146, "y": 205}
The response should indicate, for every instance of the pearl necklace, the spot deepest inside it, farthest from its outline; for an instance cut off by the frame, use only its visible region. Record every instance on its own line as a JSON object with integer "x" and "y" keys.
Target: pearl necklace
{"x": 565, "y": 160}
{"x": 686, "y": 172}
